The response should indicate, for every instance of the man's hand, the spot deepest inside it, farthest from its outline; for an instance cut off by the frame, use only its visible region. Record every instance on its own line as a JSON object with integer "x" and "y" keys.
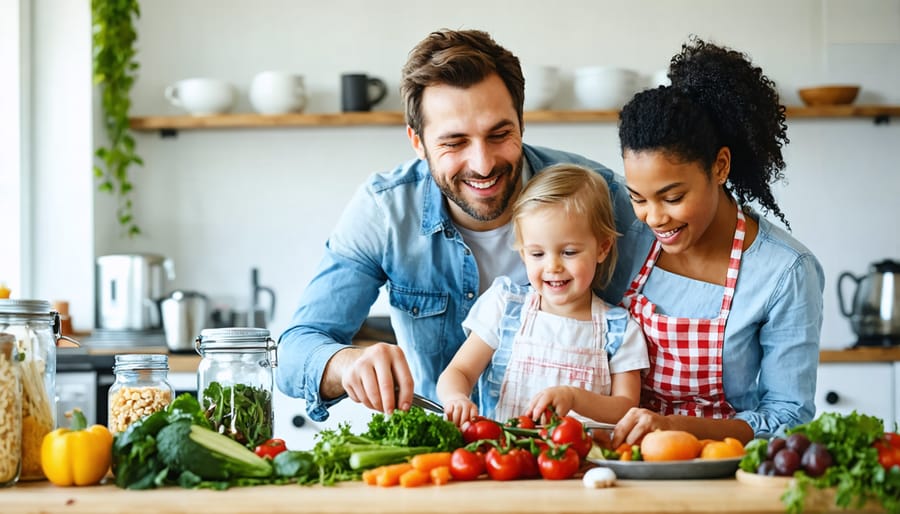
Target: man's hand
{"x": 377, "y": 377}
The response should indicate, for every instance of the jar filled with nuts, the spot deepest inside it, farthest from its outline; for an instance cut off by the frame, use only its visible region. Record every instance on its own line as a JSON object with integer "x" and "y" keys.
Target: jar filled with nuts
{"x": 10, "y": 411}
{"x": 235, "y": 382}
{"x": 141, "y": 388}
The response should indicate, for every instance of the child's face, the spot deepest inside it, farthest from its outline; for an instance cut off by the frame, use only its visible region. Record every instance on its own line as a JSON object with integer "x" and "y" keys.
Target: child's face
{"x": 561, "y": 255}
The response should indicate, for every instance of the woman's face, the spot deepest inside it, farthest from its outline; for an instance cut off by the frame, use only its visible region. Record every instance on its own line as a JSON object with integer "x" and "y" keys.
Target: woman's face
{"x": 677, "y": 200}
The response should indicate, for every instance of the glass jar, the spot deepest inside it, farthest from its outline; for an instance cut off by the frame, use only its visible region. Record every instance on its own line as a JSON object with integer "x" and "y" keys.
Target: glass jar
{"x": 141, "y": 388}
{"x": 36, "y": 328}
{"x": 10, "y": 411}
{"x": 234, "y": 382}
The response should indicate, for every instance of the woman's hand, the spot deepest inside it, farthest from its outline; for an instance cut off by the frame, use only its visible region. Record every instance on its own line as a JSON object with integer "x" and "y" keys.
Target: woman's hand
{"x": 635, "y": 424}
{"x": 460, "y": 411}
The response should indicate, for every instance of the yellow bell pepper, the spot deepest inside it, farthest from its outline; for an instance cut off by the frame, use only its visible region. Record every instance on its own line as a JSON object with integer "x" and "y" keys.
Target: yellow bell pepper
{"x": 79, "y": 455}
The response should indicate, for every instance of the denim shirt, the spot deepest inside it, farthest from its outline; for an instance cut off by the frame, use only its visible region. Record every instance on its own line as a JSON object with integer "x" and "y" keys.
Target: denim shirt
{"x": 771, "y": 349}
{"x": 397, "y": 232}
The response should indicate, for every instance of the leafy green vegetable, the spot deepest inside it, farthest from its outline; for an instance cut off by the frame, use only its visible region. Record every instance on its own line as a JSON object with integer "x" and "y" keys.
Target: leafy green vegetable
{"x": 415, "y": 427}
{"x": 207, "y": 454}
{"x": 295, "y": 464}
{"x": 855, "y": 472}
{"x": 241, "y": 412}
{"x": 755, "y": 455}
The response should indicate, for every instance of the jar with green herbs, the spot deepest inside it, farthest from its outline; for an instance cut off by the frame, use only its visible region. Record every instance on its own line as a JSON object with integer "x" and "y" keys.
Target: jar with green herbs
{"x": 10, "y": 411}
{"x": 235, "y": 382}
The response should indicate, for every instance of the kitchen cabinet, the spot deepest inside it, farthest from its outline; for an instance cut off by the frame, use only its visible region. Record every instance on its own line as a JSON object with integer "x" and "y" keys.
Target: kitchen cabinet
{"x": 169, "y": 124}
{"x": 866, "y": 380}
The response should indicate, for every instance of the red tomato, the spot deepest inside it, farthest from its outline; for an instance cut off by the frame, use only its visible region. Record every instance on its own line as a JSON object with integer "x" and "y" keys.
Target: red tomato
{"x": 571, "y": 431}
{"x": 888, "y": 450}
{"x": 521, "y": 422}
{"x": 528, "y": 466}
{"x": 270, "y": 448}
{"x": 466, "y": 465}
{"x": 554, "y": 466}
{"x": 503, "y": 466}
{"x": 482, "y": 428}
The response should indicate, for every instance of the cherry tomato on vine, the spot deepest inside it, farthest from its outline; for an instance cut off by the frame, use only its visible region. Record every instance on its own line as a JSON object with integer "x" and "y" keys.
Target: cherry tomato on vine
{"x": 466, "y": 465}
{"x": 503, "y": 465}
{"x": 558, "y": 464}
{"x": 528, "y": 466}
{"x": 888, "y": 447}
{"x": 482, "y": 428}
{"x": 521, "y": 422}
{"x": 270, "y": 448}
{"x": 571, "y": 431}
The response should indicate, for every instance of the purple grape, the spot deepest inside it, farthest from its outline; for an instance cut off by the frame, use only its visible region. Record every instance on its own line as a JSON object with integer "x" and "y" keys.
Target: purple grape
{"x": 797, "y": 442}
{"x": 815, "y": 460}
{"x": 767, "y": 468}
{"x": 776, "y": 444}
{"x": 786, "y": 462}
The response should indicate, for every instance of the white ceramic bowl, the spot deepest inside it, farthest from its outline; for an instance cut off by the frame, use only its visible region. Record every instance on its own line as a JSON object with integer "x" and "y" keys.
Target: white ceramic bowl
{"x": 277, "y": 92}
{"x": 541, "y": 86}
{"x": 604, "y": 88}
{"x": 202, "y": 96}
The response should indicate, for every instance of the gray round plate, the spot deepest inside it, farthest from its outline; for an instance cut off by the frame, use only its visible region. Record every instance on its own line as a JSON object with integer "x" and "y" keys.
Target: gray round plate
{"x": 696, "y": 468}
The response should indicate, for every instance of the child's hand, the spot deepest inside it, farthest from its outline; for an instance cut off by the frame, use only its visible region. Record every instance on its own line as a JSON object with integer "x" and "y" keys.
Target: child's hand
{"x": 460, "y": 411}
{"x": 561, "y": 398}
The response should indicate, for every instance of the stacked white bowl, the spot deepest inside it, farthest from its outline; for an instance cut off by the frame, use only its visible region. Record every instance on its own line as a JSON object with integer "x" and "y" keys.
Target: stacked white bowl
{"x": 541, "y": 86}
{"x": 604, "y": 87}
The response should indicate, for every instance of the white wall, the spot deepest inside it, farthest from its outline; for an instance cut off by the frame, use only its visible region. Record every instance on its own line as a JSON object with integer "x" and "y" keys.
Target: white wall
{"x": 221, "y": 202}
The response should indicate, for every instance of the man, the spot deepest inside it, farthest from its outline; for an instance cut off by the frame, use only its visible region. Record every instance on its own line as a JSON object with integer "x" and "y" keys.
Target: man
{"x": 435, "y": 230}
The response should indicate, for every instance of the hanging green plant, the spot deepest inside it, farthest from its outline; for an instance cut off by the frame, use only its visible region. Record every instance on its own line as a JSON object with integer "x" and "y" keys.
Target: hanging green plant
{"x": 114, "y": 72}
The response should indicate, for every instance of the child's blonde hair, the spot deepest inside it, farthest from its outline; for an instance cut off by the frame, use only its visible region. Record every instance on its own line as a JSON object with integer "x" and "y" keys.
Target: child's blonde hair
{"x": 579, "y": 191}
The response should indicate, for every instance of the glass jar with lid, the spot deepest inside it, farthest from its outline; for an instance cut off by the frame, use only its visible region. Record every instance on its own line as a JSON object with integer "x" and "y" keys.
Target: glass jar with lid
{"x": 235, "y": 382}
{"x": 36, "y": 329}
{"x": 141, "y": 388}
{"x": 10, "y": 411}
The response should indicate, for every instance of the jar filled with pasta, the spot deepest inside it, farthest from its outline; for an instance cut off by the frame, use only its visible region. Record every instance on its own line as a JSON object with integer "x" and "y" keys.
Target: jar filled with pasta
{"x": 235, "y": 382}
{"x": 141, "y": 388}
{"x": 36, "y": 329}
{"x": 10, "y": 411}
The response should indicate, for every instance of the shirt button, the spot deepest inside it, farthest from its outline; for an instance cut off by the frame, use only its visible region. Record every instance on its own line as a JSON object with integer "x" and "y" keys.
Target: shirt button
{"x": 448, "y": 233}
{"x": 415, "y": 311}
{"x": 470, "y": 295}
{"x": 468, "y": 252}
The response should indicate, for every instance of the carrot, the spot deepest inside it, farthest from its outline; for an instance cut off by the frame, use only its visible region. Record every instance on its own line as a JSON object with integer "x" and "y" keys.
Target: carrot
{"x": 414, "y": 478}
{"x": 428, "y": 461}
{"x": 390, "y": 474}
{"x": 440, "y": 475}
{"x": 370, "y": 476}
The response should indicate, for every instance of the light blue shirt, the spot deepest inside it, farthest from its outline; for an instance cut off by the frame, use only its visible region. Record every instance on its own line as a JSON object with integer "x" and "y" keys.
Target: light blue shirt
{"x": 397, "y": 231}
{"x": 772, "y": 332}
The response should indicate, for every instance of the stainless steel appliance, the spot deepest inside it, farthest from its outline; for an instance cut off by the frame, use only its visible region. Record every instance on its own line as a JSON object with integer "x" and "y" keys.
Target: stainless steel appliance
{"x": 184, "y": 314}
{"x": 874, "y": 311}
{"x": 128, "y": 290}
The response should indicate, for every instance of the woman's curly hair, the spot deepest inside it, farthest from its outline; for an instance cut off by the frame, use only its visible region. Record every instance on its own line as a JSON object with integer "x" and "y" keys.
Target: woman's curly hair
{"x": 717, "y": 98}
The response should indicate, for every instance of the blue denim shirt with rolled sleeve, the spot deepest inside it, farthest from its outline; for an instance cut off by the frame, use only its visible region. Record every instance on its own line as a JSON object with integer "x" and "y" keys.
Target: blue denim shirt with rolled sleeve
{"x": 397, "y": 232}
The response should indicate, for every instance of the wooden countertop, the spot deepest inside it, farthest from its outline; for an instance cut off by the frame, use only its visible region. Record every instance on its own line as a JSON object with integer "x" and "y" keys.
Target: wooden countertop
{"x": 483, "y": 496}
{"x": 862, "y": 354}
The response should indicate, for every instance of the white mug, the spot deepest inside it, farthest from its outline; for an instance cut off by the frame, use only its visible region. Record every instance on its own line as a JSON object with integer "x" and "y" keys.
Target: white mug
{"x": 277, "y": 92}
{"x": 202, "y": 96}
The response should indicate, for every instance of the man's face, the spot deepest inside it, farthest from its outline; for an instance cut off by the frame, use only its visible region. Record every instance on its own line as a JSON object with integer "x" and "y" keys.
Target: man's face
{"x": 472, "y": 141}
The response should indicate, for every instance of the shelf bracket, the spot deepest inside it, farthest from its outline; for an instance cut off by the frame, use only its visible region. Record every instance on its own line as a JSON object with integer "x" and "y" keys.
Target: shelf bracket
{"x": 166, "y": 133}
{"x": 882, "y": 119}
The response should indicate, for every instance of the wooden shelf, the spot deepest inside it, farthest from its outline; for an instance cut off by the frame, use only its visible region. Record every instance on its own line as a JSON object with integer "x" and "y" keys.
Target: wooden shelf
{"x": 171, "y": 124}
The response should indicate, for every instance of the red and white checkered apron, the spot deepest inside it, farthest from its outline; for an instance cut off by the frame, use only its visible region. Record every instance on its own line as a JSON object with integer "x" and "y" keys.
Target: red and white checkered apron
{"x": 535, "y": 364}
{"x": 685, "y": 375}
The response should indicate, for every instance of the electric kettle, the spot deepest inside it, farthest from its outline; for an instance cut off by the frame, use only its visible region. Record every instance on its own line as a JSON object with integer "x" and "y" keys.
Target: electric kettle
{"x": 874, "y": 313}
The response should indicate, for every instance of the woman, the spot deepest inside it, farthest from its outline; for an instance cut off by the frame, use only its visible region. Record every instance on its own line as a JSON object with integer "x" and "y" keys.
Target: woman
{"x": 730, "y": 304}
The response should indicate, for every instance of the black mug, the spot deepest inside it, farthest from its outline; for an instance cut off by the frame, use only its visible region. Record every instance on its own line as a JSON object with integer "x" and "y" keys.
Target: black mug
{"x": 357, "y": 89}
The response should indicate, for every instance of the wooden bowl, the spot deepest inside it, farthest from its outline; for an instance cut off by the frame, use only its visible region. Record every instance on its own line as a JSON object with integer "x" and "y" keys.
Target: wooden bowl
{"x": 828, "y": 95}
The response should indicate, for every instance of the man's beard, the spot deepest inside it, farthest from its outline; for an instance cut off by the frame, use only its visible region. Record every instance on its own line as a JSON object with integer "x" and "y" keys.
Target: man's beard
{"x": 492, "y": 208}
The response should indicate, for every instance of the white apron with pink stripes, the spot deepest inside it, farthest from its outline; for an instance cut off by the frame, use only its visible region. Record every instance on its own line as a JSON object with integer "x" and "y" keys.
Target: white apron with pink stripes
{"x": 537, "y": 364}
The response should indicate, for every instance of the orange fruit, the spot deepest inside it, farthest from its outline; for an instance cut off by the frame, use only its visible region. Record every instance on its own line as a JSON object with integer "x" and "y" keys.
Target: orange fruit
{"x": 726, "y": 449}
{"x": 662, "y": 445}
